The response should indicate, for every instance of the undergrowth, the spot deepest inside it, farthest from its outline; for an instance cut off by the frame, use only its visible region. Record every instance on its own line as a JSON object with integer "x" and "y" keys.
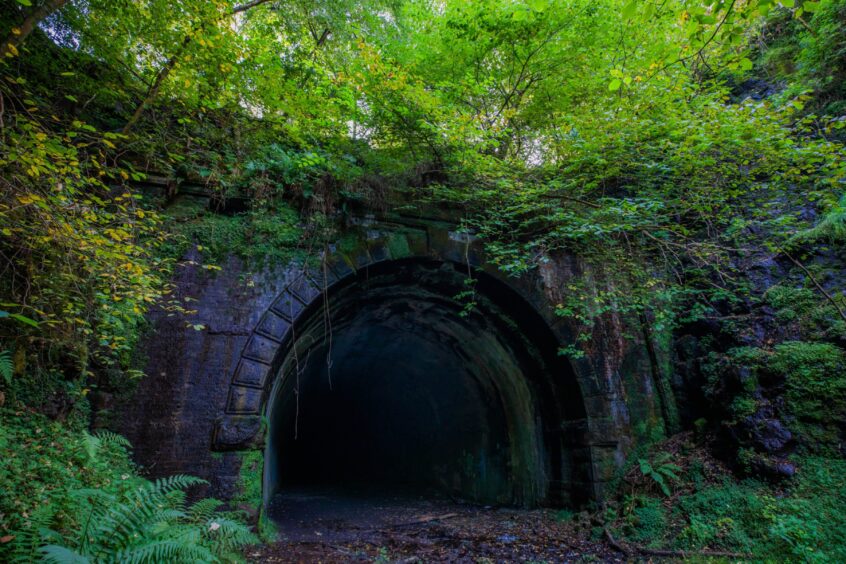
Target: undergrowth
{"x": 257, "y": 235}
{"x": 708, "y": 509}
{"x": 72, "y": 496}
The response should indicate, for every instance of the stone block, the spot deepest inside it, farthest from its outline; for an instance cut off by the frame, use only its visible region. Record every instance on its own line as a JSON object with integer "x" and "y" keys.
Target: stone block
{"x": 361, "y": 259}
{"x": 604, "y": 463}
{"x": 251, "y": 373}
{"x": 339, "y": 266}
{"x": 322, "y": 277}
{"x": 398, "y": 246}
{"x": 304, "y": 289}
{"x": 379, "y": 252}
{"x": 261, "y": 348}
{"x": 288, "y": 306}
{"x": 244, "y": 400}
{"x": 274, "y": 326}
{"x": 418, "y": 243}
{"x": 238, "y": 432}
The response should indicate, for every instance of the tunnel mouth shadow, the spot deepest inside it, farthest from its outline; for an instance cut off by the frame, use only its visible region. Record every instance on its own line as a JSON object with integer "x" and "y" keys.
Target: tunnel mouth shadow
{"x": 424, "y": 377}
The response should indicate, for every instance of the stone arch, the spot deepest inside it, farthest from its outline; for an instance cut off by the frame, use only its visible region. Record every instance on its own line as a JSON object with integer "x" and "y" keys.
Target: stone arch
{"x": 580, "y": 447}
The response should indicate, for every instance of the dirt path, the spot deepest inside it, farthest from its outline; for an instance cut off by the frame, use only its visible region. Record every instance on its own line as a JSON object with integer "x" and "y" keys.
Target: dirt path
{"x": 335, "y": 527}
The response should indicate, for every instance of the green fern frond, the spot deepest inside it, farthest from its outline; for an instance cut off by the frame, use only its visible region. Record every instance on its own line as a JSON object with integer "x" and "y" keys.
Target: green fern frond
{"x": 204, "y": 509}
{"x": 165, "y": 551}
{"x": 153, "y": 524}
{"x": 61, "y": 555}
{"x": 92, "y": 445}
{"x": 229, "y": 534}
{"x": 112, "y": 438}
{"x": 176, "y": 482}
{"x": 7, "y": 368}
{"x": 30, "y": 538}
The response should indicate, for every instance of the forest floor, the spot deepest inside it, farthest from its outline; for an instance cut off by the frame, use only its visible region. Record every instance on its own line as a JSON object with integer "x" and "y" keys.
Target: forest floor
{"x": 332, "y": 526}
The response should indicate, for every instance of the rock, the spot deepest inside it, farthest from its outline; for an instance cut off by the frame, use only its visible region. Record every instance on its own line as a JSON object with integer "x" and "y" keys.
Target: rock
{"x": 774, "y": 469}
{"x": 771, "y": 436}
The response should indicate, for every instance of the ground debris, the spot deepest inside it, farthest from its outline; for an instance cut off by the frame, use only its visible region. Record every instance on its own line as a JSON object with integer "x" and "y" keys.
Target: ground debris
{"x": 464, "y": 533}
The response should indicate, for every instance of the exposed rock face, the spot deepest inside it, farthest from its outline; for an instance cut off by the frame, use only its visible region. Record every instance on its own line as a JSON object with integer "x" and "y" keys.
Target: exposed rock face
{"x": 208, "y": 393}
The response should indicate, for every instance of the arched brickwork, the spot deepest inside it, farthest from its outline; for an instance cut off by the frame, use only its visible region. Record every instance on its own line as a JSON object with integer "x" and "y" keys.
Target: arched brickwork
{"x": 206, "y": 391}
{"x": 240, "y": 426}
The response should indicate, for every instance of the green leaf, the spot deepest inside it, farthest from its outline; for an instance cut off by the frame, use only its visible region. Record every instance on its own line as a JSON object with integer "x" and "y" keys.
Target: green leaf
{"x": 24, "y": 319}
{"x": 745, "y": 64}
{"x": 25, "y": 2}
{"x": 7, "y": 368}
{"x": 630, "y": 9}
{"x": 54, "y": 553}
{"x": 615, "y": 84}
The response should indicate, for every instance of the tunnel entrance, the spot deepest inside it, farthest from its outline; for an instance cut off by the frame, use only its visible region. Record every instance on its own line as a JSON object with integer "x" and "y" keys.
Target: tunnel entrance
{"x": 409, "y": 376}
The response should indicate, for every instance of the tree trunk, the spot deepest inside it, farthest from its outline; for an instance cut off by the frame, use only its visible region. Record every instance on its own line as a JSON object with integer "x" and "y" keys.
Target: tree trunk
{"x": 14, "y": 40}
{"x": 153, "y": 91}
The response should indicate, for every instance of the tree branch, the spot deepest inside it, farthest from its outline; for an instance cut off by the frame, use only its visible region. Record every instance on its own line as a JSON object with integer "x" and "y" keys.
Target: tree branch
{"x": 807, "y": 272}
{"x": 14, "y": 40}
{"x": 163, "y": 73}
{"x": 248, "y": 6}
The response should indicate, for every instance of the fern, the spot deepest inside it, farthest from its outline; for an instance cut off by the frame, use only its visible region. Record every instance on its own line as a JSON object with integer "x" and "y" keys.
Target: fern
{"x": 166, "y": 551}
{"x": 62, "y": 555}
{"x": 28, "y": 539}
{"x": 7, "y": 368}
{"x": 660, "y": 471}
{"x": 151, "y": 524}
{"x": 204, "y": 509}
{"x": 95, "y": 443}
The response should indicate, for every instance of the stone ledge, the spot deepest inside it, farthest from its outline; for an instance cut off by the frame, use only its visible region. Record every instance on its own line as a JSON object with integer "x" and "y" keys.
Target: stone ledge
{"x": 238, "y": 432}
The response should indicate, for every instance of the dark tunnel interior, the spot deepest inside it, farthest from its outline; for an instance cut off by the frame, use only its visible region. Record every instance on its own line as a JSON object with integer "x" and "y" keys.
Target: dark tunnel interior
{"x": 412, "y": 389}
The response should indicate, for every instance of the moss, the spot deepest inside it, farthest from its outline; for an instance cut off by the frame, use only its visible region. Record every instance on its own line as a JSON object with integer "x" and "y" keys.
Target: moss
{"x": 647, "y": 521}
{"x": 259, "y": 235}
{"x": 742, "y": 407}
{"x": 815, "y": 389}
{"x": 249, "y": 493}
{"x": 349, "y": 243}
{"x": 809, "y": 375}
{"x": 803, "y": 310}
{"x": 250, "y": 479}
{"x": 398, "y": 246}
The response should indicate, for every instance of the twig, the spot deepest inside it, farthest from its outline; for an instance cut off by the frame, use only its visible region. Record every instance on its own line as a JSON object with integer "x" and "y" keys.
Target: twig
{"x": 816, "y": 283}
{"x": 689, "y": 553}
{"x": 421, "y": 521}
{"x": 614, "y": 544}
{"x": 670, "y": 553}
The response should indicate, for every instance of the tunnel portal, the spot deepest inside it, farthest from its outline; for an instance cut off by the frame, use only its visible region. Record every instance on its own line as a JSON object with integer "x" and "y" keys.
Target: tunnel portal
{"x": 424, "y": 374}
